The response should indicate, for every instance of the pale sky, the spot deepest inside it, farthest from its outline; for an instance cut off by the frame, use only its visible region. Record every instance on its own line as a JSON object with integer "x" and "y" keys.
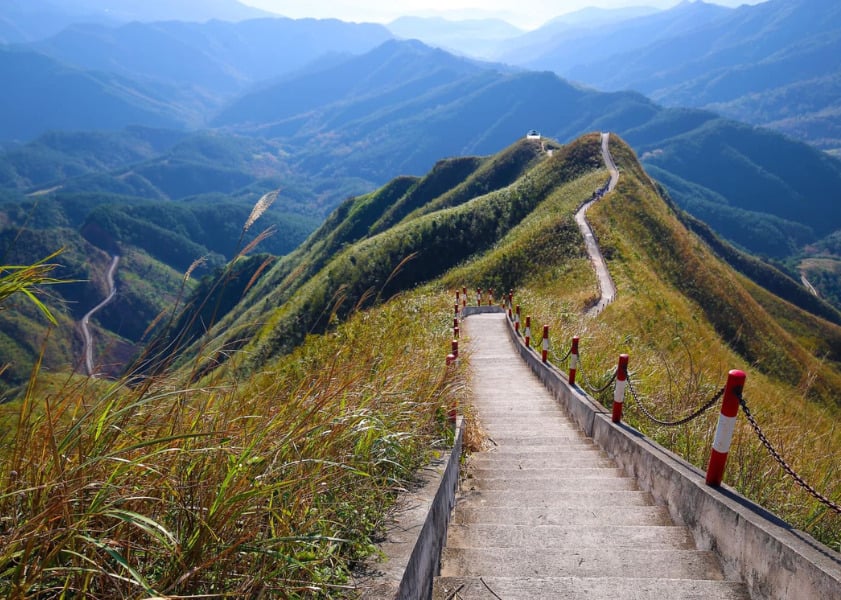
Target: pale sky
{"x": 523, "y": 13}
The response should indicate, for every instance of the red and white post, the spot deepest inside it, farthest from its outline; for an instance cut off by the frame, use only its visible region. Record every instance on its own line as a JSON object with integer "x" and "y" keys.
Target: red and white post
{"x": 573, "y": 360}
{"x": 517, "y": 319}
{"x": 545, "y": 354}
{"x": 619, "y": 390}
{"x": 527, "y": 332}
{"x": 478, "y": 296}
{"x": 491, "y": 297}
{"x": 510, "y": 304}
{"x": 455, "y": 328}
{"x": 464, "y": 296}
{"x": 726, "y": 425}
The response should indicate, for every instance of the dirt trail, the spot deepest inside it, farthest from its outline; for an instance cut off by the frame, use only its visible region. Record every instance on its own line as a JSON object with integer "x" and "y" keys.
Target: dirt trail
{"x": 86, "y": 332}
{"x": 607, "y": 290}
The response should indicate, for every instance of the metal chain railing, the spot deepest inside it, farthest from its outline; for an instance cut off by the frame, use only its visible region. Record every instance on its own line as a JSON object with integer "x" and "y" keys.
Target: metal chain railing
{"x": 558, "y": 359}
{"x": 786, "y": 467}
{"x": 585, "y": 380}
{"x": 599, "y": 390}
{"x": 682, "y": 421}
{"x": 712, "y": 402}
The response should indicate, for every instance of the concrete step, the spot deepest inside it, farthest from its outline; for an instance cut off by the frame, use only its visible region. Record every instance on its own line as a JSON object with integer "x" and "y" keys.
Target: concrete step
{"x": 550, "y": 473}
{"x": 517, "y": 422}
{"x": 651, "y": 516}
{"x": 568, "y": 588}
{"x": 533, "y": 482}
{"x": 507, "y": 411}
{"x": 484, "y": 535}
{"x": 526, "y": 499}
{"x": 585, "y": 448}
{"x": 570, "y": 460}
{"x": 582, "y": 562}
{"x": 522, "y": 441}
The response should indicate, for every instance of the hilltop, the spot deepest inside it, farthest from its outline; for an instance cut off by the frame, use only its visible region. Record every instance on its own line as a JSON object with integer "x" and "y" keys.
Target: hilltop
{"x": 481, "y": 211}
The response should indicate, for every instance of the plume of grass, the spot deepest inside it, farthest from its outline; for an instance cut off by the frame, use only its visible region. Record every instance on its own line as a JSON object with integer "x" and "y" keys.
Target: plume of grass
{"x": 262, "y": 205}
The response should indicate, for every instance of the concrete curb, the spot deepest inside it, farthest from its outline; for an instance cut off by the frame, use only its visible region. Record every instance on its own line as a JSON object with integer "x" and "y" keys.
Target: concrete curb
{"x": 417, "y": 531}
{"x": 774, "y": 560}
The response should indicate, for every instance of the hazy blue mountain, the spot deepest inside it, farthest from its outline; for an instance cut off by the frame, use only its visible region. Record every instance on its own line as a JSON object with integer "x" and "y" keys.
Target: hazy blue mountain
{"x": 168, "y": 74}
{"x": 774, "y": 63}
{"x": 593, "y": 16}
{"x": 401, "y": 107}
{"x": 474, "y": 37}
{"x": 216, "y": 57}
{"x": 40, "y": 94}
{"x": 165, "y": 10}
{"x": 394, "y": 72}
{"x": 561, "y": 45}
{"x": 342, "y": 129}
{"x": 28, "y": 20}
{"x": 31, "y": 20}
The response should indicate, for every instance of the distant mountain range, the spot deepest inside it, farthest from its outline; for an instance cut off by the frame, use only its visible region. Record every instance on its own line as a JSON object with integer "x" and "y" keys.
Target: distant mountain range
{"x": 774, "y": 64}
{"x": 166, "y": 74}
{"x": 361, "y": 120}
{"x": 399, "y": 107}
{"x": 31, "y": 20}
{"x": 475, "y": 37}
{"x": 41, "y": 94}
{"x": 158, "y": 138}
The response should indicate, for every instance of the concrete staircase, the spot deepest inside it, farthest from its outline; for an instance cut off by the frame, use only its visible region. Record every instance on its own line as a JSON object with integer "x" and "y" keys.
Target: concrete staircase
{"x": 545, "y": 514}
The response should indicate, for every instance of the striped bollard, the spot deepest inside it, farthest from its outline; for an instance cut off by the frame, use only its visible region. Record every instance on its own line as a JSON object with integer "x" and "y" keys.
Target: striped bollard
{"x": 619, "y": 390}
{"x": 726, "y": 425}
{"x": 464, "y": 296}
{"x": 517, "y": 319}
{"x": 491, "y": 297}
{"x": 455, "y": 312}
{"x": 573, "y": 360}
{"x": 510, "y": 304}
{"x": 458, "y": 297}
{"x": 527, "y": 332}
{"x": 545, "y": 354}
{"x": 455, "y": 328}
{"x": 455, "y": 348}
{"x": 478, "y": 296}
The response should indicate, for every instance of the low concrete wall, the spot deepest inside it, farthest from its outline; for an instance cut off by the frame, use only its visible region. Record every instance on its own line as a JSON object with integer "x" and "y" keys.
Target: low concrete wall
{"x": 416, "y": 533}
{"x": 774, "y": 560}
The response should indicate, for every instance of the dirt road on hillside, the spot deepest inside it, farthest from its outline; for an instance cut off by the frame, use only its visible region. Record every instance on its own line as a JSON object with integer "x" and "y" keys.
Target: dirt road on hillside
{"x": 607, "y": 290}
{"x": 86, "y": 332}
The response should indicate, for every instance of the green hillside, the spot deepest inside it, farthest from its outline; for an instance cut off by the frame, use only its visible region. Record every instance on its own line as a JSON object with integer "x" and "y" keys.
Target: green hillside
{"x": 319, "y": 392}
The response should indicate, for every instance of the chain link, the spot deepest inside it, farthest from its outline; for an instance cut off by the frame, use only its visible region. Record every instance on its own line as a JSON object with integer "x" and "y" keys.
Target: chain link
{"x": 558, "y": 359}
{"x": 595, "y": 390}
{"x": 773, "y": 451}
{"x": 682, "y": 421}
{"x": 585, "y": 380}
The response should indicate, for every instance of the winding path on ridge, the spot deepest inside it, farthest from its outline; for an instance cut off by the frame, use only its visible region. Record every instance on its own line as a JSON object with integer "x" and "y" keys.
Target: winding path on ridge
{"x": 86, "y": 332}
{"x": 607, "y": 290}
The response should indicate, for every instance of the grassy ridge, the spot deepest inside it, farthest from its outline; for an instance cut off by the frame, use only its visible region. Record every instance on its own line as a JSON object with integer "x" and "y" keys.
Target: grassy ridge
{"x": 271, "y": 476}
{"x": 686, "y": 318}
